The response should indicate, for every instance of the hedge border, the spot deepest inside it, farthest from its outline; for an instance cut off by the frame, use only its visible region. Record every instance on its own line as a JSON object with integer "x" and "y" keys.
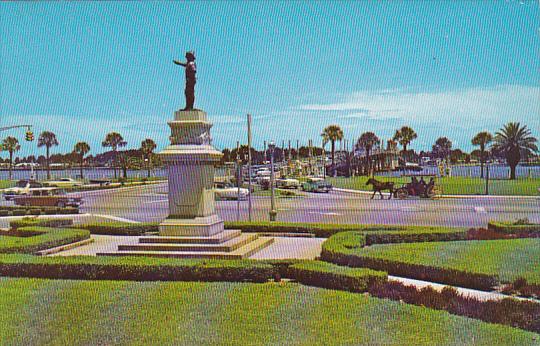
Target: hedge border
{"x": 339, "y": 249}
{"x": 42, "y": 238}
{"x": 327, "y": 275}
{"x": 512, "y": 228}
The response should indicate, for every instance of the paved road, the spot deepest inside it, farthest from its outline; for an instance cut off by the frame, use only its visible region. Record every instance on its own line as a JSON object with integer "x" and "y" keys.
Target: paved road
{"x": 149, "y": 203}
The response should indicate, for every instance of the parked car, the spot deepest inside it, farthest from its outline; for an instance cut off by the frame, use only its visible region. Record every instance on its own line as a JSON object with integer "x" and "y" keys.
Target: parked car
{"x": 229, "y": 191}
{"x": 22, "y": 187}
{"x": 316, "y": 185}
{"x": 48, "y": 197}
{"x": 287, "y": 183}
{"x": 63, "y": 182}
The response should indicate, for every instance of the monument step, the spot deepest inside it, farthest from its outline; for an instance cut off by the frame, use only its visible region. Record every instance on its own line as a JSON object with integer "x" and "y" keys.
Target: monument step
{"x": 227, "y": 246}
{"x": 242, "y": 252}
{"x": 222, "y": 237}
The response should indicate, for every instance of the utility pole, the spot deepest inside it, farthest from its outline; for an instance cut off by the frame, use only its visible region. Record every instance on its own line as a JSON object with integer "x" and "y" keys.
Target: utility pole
{"x": 264, "y": 160}
{"x": 238, "y": 168}
{"x": 297, "y": 149}
{"x": 273, "y": 212}
{"x": 249, "y": 165}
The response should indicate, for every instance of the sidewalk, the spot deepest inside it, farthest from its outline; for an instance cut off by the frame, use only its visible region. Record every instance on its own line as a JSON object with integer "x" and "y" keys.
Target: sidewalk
{"x": 361, "y": 192}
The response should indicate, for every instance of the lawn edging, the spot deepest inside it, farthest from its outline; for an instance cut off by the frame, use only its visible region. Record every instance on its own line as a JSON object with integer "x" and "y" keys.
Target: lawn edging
{"x": 29, "y": 240}
{"x": 342, "y": 249}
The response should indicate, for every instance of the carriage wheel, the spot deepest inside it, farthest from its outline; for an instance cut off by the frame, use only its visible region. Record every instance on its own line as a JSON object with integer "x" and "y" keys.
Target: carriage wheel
{"x": 402, "y": 193}
{"x": 433, "y": 192}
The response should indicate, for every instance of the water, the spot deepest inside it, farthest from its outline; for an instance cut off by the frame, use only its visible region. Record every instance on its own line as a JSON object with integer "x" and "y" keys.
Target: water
{"x": 495, "y": 172}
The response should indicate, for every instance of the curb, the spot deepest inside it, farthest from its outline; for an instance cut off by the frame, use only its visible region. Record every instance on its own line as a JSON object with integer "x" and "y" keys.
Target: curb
{"x": 361, "y": 192}
{"x": 61, "y": 248}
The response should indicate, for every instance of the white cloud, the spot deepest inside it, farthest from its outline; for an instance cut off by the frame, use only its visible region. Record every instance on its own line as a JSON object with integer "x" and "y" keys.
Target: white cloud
{"x": 500, "y": 103}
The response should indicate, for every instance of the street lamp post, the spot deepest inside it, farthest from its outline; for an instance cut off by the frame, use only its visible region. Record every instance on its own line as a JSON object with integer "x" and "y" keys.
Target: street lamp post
{"x": 273, "y": 212}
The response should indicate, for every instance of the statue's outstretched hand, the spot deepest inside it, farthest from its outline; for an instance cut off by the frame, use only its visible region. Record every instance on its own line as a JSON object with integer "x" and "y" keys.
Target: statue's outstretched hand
{"x": 179, "y": 63}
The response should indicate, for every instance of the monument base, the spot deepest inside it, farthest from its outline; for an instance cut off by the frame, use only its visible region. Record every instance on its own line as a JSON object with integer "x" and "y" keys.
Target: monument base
{"x": 200, "y": 226}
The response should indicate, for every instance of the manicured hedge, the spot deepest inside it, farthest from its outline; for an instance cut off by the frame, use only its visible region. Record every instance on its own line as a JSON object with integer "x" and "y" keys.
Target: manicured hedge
{"x": 508, "y": 311}
{"x": 134, "y": 268}
{"x": 40, "y": 238}
{"x": 416, "y": 235}
{"x": 119, "y": 228}
{"x": 513, "y": 228}
{"x": 343, "y": 249}
{"x": 323, "y": 230}
{"x": 34, "y": 211}
{"x": 327, "y": 275}
{"x": 40, "y": 222}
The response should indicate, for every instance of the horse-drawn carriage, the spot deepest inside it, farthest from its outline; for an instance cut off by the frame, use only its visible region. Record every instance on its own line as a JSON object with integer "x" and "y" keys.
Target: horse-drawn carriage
{"x": 417, "y": 187}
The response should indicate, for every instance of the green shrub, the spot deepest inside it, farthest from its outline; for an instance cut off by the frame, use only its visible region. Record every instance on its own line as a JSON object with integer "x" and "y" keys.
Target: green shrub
{"x": 5, "y": 213}
{"x": 119, "y": 228}
{"x": 30, "y": 221}
{"x": 19, "y": 212}
{"x": 327, "y": 275}
{"x": 134, "y": 268}
{"x": 320, "y": 230}
{"x": 40, "y": 238}
{"x": 515, "y": 228}
{"x": 416, "y": 235}
{"x": 346, "y": 249}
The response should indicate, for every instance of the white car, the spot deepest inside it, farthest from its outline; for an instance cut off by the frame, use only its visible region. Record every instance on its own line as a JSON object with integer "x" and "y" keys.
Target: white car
{"x": 287, "y": 183}
{"x": 228, "y": 191}
{"x": 21, "y": 188}
{"x": 64, "y": 182}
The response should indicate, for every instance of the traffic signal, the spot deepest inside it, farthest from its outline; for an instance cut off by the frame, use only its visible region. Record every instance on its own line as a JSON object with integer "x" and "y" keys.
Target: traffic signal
{"x": 29, "y": 136}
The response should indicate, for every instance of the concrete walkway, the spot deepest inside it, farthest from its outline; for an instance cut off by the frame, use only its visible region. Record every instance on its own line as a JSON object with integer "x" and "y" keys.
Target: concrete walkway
{"x": 386, "y": 194}
{"x": 468, "y": 292}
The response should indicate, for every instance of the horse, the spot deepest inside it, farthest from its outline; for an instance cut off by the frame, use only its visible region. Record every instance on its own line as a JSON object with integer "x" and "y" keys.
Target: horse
{"x": 379, "y": 186}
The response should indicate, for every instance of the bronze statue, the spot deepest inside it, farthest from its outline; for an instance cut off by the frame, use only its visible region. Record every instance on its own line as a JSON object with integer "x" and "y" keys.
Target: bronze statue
{"x": 191, "y": 70}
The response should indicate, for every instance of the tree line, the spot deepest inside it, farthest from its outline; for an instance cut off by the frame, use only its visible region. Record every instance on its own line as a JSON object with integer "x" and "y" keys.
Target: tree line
{"x": 138, "y": 158}
{"x": 513, "y": 142}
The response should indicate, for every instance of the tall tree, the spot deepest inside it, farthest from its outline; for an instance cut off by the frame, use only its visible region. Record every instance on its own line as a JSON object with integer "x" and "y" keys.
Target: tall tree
{"x": 47, "y": 139}
{"x": 11, "y": 145}
{"x": 114, "y": 140}
{"x": 482, "y": 139}
{"x": 332, "y": 134}
{"x": 442, "y": 148}
{"x": 147, "y": 148}
{"x": 367, "y": 141}
{"x": 81, "y": 148}
{"x": 405, "y": 136}
{"x": 514, "y": 141}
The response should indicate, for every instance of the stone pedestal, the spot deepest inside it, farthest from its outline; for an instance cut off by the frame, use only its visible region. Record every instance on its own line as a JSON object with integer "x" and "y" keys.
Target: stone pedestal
{"x": 191, "y": 160}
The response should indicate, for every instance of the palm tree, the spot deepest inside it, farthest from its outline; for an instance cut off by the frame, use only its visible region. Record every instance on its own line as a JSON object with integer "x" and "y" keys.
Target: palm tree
{"x": 48, "y": 140}
{"x": 482, "y": 139}
{"x": 513, "y": 141}
{"x": 81, "y": 148}
{"x": 332, "y": 134}
{"x": 147, "y": 148}
{"x": 114, "y": 140}
{"x": 367, "y": 141}
{"x": 405, "y": 136}
{"x": 11, "y": 144}
{"x": 442, "y": 148}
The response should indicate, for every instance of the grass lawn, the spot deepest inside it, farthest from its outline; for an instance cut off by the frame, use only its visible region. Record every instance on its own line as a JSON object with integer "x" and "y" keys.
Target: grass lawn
{"x": 454, "y": 185}
{"x": 5, "y": 184}
{"x": 64, "y": 312}
{"x": 509, "y": 259}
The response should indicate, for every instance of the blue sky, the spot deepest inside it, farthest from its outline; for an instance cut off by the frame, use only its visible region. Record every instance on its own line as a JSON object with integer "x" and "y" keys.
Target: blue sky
{"x": 445, "y": 68}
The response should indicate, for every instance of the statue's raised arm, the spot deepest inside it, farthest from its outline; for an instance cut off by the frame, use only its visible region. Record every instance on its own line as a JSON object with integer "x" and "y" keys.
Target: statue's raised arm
{"x": 179, "y": 63}
{"x": 191, "y": 70}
